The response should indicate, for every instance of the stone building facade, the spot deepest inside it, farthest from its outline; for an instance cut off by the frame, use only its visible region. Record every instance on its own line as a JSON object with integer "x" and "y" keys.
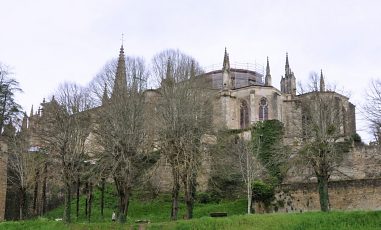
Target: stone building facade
{"x": 246, "y": 96}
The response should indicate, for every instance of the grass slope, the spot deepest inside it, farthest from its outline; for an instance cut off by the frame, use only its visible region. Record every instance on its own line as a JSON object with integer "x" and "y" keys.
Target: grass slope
{"x": 284, "y": 221}
{"x": 154, "y": 210}
{"x": 158, "y": 211}
{"x": 301, "y": 221}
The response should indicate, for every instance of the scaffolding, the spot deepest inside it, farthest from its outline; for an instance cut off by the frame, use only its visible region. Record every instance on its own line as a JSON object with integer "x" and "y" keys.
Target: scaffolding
{"x": 256, "y": 67}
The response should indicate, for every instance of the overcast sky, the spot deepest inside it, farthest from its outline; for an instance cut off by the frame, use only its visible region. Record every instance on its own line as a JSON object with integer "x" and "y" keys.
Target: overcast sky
{"x": 48, "y": 42}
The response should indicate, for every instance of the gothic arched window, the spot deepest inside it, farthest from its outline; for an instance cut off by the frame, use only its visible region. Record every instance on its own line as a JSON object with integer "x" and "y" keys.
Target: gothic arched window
{"x": 244, "y": 114}
{"x": 263, "y": 109}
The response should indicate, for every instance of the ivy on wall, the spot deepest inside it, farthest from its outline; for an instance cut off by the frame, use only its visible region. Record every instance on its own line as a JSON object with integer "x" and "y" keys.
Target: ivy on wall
{"x": 267, "y": 142}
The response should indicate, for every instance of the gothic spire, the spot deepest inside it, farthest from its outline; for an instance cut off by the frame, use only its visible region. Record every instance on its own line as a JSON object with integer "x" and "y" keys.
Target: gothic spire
{"x": 193, "y": 71}
{"x": 168, "y": 74}
{"x": 24, "y": 125}
{"x": 105, "y": 95}
{"x": 287, "y": 66}
{"x": 268, "y": 75}
{"x": 31, "y": 112}
{"x": 226, "y": 65}
{"x": 322, "y": 84}
{"x": 120, "y": 83}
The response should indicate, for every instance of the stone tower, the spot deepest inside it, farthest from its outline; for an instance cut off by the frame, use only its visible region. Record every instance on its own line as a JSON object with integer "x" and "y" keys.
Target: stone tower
{"x": 288, "y": 82}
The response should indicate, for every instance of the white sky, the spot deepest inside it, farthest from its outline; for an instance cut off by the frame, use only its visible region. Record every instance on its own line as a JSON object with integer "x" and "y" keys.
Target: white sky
{"x": 48, "y": 42}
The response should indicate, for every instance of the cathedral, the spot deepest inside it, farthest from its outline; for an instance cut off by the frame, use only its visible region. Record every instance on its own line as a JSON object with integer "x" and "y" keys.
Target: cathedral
{"x": 246, "y": 96}
{"x": 243, "y": 96}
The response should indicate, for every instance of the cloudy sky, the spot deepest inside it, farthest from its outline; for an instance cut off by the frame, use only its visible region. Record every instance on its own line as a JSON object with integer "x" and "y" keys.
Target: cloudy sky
{"x": 48, "y": 42}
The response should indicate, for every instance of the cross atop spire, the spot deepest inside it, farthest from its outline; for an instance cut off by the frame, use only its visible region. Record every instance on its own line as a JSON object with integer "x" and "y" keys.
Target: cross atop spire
{"x": 226, "y": 65}
{"x": 122, "y": 39}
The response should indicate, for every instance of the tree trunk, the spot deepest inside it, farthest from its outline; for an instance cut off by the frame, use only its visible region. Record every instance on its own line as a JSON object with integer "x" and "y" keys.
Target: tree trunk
{"x": 43, "y": 197}
{"x": 67, "y": 208}
{"x": 124, "y": 200}
{"x": 103, "y": 182}
{"x": 78, "y": 191}
{"x": 190, "y": 195}
{"x": 86, "y": 192}
{"x": 175, "y": 195}
{"x": 323, "y": 193}
{"x": 249, "y": 196}
{"x": 35, "y": 192}
{"x": 90, "y": 202}
{"x": 22, "y": 200}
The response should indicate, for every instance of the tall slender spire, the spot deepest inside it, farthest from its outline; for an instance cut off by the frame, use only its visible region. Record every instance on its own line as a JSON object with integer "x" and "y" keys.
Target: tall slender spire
{"x": 105, "y": 98}
{"x": 31, "y": 112}
{"x": 193, "y": 70}
{"x": 288, "y": 83}
{"x": 168, "y": 74}
{"x": 268, "y": 75}
{"x": 226, "y": 78}
{"x": 287, "y": 66}
{"x": 226, "y": 65}
{"x": 322, "y": 84}
{"x": 24, "y": 124}
{"x": 120, "y": 83}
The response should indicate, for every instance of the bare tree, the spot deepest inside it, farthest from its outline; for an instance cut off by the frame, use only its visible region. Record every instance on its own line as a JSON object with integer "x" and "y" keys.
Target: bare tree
{"x": 321, "y": 134}
{"x": 23, "y": 168}
{"x": 63, "y": 129}
{"x": 120, "y": 130}
{"x": 184, "y": 116}
{"x": 9, "y": 108}
{"x": 249, "y": 165}
{"x": 372, "y": 109}
{"x": 104, "y": 80}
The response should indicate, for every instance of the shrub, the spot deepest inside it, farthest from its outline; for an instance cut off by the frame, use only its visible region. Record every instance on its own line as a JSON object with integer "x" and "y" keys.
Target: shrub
{"x": 263, "y": 192}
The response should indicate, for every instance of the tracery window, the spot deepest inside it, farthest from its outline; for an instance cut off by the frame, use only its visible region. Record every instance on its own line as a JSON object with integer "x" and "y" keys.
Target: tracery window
{"x": 263, "y": 109}
{"x": 244, "y": 115}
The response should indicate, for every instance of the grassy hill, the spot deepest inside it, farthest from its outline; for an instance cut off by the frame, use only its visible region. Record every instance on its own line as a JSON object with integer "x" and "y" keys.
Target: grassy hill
{"x": 141, "y": 207}
{"x": 284, "y": 221}
{"x": 157, "y": 211}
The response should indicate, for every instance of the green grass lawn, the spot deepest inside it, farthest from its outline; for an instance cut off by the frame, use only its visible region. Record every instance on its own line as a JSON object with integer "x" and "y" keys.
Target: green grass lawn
{"x": 284, "y": 221}
{"x": 154, "y": 210}
{"x": 157, "y": 211}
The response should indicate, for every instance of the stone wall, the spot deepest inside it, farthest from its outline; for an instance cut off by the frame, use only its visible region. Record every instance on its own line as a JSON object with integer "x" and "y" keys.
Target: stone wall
{"x": 360, "y": 163}
{"x": 361, "y": 194}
